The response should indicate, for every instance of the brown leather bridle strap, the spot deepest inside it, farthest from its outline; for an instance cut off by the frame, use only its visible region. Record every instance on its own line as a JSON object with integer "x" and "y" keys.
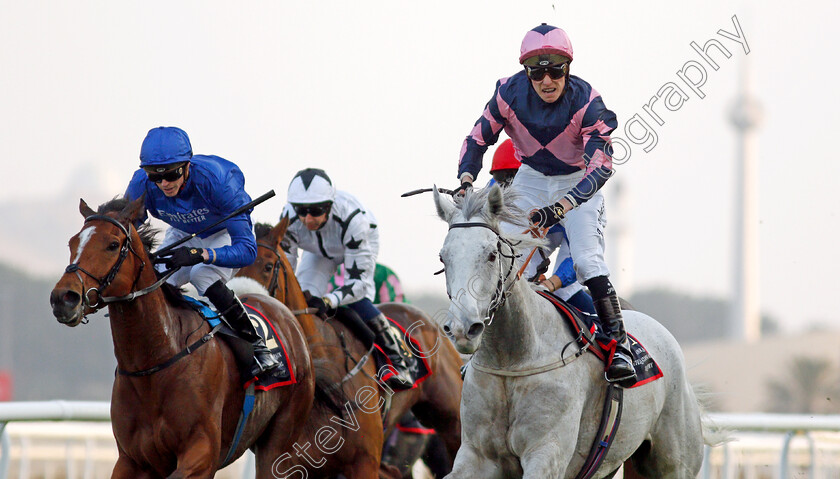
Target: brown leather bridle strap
{"x": 106, "y": 280}
{"x": 274, "y": 283}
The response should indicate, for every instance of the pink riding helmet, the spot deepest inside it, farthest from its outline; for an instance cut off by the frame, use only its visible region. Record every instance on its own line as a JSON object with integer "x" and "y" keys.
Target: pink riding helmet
{"x": 545, "y": 40}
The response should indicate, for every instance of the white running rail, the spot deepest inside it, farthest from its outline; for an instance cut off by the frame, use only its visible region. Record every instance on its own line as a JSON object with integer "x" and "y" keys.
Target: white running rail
{"x": 39, "y": 440}
{"x": 765, "y": 445}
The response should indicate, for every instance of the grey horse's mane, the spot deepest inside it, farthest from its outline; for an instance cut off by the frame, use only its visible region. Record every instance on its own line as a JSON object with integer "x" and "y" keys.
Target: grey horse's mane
{"x": 476, "y": 204}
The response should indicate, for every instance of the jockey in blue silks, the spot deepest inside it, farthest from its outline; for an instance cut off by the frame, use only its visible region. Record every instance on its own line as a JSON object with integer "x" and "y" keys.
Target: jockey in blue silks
{"x": 333, "y": 228}
{"x": 560, "y": 129}
{"x": 190, "y": 192}
{"x": 563, "y": 282}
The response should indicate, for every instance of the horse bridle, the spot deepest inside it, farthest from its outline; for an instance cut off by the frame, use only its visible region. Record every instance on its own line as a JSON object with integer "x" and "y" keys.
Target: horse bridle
{"x": 501, "y": 292}
{"x": 106, "y": 280}
{"x": 274, "y": 284}
{"x": 275, "y": 271}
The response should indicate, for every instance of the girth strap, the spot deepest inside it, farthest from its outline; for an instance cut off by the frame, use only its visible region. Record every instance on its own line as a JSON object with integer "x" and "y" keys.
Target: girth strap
{"x": 610, "y": 419}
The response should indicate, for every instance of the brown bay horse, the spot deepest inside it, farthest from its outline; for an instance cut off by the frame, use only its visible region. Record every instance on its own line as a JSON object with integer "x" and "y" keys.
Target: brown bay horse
{"x": 178, "y": 418}
{"x": 435, "y": 401}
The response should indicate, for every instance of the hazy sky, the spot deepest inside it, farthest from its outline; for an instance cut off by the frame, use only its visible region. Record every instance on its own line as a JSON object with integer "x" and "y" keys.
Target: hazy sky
{"x": 381, "y": 95}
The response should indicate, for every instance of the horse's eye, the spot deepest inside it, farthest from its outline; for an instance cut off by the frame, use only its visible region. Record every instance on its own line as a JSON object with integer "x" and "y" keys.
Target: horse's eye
{"x": 113, "y": 246}
{"x": 268, "y": 267}
{"x": 491, "y": 257}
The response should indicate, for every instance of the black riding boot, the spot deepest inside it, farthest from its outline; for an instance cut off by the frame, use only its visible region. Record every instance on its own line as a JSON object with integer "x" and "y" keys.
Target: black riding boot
{"x": 234, "y": 312}
{"x": 621, "y": 369}
{"x": 396, "y": 350}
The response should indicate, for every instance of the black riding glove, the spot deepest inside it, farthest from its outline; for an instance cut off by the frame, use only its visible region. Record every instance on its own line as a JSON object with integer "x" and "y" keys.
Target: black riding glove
{"x": 179, "y": 257}
{"x": 461, "y": 190}
{"x": 548, "y": 216}
{"x": 324, "y": 310}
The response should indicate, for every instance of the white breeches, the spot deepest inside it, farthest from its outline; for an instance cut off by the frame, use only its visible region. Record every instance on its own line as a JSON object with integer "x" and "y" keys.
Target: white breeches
{"x": 584, "y": 224}
{"x": 201, "y": 275}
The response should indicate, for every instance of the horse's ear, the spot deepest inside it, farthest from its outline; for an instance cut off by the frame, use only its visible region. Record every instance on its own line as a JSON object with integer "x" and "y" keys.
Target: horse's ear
{"x": 495, "y": 200}
{"x": 84, "y": 209}
{"x": 445, "y": 208}
{"x": 279, "y": 230}
{"x": 134, "y": 210}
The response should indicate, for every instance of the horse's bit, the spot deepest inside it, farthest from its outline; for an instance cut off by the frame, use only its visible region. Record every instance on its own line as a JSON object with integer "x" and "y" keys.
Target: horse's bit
{"x": 502, "y": 290}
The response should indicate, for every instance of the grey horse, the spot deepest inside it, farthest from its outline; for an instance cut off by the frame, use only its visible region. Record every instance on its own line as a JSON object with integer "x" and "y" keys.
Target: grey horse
{"x": 526, "y": 411}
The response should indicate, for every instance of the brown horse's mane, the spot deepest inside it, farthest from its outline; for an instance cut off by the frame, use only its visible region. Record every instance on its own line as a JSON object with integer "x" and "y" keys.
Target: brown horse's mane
{"x": 146, "y": 231}
{"x": 148, "y": 236}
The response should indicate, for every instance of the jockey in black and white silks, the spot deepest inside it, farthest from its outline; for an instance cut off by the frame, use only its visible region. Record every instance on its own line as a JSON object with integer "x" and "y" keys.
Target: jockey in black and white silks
{"x": 332, "y": 228}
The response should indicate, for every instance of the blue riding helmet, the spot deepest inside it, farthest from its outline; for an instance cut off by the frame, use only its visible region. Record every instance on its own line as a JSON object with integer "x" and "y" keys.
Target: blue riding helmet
{"x": 165, "y": 145}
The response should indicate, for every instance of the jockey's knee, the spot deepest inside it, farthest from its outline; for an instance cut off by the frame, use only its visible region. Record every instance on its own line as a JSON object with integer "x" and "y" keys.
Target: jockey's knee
{"x": 590, "y": 267}
{"x": 365, "y": 309}
{"x": 202, "y": 276}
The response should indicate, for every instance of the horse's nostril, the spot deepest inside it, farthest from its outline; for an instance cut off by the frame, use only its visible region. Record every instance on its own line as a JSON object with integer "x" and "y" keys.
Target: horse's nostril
{"x": 71, "y": 298}
{"x": 65, "y": 299}
{"x": 447, "y": 330}
{"x": 475, "y": 330}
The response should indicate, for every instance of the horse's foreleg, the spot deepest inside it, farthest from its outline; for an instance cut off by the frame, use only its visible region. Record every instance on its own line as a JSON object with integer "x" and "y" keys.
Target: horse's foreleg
{"x": 446, "y": 421}
{"x": 125, "y": 468}
{"x": 470, "y": 464}
{"x": 544, "y": 462}
{"x": 198, "y": 459}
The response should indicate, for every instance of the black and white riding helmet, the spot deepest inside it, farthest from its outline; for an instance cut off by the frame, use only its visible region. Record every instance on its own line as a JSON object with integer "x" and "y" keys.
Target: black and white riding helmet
{"x": 311, "y": 186}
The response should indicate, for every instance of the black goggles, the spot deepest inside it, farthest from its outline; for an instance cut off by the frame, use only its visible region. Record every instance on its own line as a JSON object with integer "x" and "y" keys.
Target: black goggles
{"x": 556, "y": 72}
{"x": 170, "y": 175}
{"x": 312, "y": 210}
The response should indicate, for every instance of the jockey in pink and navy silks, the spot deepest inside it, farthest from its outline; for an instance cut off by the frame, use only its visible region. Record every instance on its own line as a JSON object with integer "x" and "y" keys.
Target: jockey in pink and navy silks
{"x": 560, "y": 129}
{"x": 566, "y": 136}
{"x": 563, "y": 283}
{"x": 189, "y": 193}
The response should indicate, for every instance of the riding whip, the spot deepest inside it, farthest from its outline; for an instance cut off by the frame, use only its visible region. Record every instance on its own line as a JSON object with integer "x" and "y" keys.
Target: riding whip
{"x": 238, "y": 211}
{"x": 426, "y": 190}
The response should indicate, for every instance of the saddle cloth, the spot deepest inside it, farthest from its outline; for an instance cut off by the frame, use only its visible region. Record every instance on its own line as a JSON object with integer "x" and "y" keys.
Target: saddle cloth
{"x": 419, "y": 369}
{"x": 244, "y": 352}
{"x": 588, "y": 330}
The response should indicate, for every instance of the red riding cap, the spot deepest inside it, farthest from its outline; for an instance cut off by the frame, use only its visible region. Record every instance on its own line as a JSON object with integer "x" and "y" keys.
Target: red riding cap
{"x": 505, "y": 157}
